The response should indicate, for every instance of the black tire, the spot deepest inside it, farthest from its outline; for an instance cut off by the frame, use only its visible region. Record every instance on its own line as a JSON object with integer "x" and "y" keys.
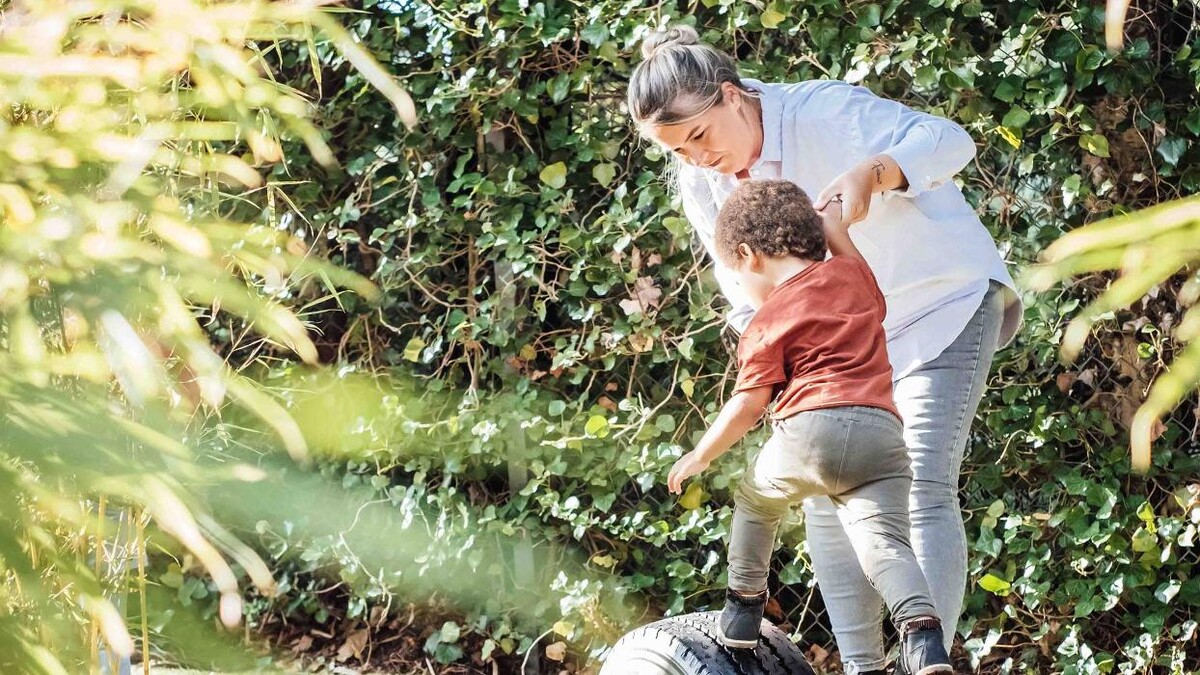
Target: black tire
{"x": 688, "y": 645}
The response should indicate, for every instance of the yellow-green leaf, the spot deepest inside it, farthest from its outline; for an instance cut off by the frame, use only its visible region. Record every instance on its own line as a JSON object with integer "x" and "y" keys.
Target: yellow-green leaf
{"x": 994, "y": 584}
{"x": 771, "y": 18}
{"x": 604, "y": 560}
{"x": 1145, "y": 513}
{"x": 604, "y": 173}
{"x": 1008, "y": 135}
{"x": 1095, "y": 144}
{"x": 693, "y": 496}
{"x": 554, "y": 175}
{"x": 412, "y": 350}
{"x": 597, "y": 425}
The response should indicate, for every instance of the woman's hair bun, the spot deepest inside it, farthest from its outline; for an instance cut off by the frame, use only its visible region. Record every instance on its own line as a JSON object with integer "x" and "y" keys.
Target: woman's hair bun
{"x": 675, "y": 35}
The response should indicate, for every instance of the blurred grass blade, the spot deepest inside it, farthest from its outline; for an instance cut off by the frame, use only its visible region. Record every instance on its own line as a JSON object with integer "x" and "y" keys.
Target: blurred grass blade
{"x": 370, "y": 69}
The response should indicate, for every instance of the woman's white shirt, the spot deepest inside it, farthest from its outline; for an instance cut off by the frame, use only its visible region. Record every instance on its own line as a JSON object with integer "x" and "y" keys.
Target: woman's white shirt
{"x": 931, "y": 255}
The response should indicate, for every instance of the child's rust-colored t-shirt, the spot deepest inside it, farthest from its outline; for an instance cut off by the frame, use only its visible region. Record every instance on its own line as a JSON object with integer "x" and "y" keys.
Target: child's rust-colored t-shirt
{"x": 818, "y": 340}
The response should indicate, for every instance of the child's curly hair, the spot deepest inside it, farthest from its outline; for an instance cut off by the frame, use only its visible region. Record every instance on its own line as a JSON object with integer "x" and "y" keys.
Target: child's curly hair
{"x": 774, "y": 218}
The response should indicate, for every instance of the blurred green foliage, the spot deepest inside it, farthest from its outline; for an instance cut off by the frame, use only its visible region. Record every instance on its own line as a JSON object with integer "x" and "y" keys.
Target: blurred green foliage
{"x": 122, "y": 135}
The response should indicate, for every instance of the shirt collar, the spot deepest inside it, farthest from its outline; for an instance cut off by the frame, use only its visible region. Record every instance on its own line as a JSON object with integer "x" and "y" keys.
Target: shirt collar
{"x": 772, "y": 121}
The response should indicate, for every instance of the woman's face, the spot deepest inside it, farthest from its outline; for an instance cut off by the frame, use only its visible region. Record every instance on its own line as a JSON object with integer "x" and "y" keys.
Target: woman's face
{"x": 726, "y": 138}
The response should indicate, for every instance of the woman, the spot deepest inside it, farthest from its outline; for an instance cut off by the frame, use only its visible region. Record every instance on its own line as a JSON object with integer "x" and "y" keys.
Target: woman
{"x": 951, "y": 302}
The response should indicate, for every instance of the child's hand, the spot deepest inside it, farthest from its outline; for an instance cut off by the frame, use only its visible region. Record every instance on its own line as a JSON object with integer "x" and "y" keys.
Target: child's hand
{"x": 685, "y": 467}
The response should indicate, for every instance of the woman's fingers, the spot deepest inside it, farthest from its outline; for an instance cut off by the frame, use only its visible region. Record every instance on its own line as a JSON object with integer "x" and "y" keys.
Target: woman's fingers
{"x": 827, "y": 195}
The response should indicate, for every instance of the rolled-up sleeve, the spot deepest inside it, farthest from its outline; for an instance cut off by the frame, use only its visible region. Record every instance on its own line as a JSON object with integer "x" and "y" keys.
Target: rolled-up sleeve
{"x": 930, "y": 150}
{"x": 701, "y": 212}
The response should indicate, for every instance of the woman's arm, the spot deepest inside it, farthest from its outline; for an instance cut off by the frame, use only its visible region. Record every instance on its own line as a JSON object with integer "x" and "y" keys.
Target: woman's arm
{"x": 903, "y": 150}
{"x": 701, "y": 212}
{"x": 740, "y": 414}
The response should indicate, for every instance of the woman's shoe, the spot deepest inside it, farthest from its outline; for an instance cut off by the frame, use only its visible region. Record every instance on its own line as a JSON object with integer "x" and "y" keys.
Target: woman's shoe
{"x": 739, "y": 623}
{"x": 922, "y": 651}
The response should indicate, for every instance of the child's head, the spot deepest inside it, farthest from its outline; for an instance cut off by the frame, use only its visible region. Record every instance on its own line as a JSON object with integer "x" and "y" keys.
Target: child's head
{"x": 764, "y": 221}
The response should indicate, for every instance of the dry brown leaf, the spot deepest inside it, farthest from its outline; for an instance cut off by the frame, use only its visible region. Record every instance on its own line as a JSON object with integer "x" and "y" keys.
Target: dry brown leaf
{"x": 302, "y": 645}
{"x": 1065, "y": 380}
{"x": 354, "y": 645}
{"x": 645, "y": 296}
{"x": 556, "y": 651}
{"x": 817, "y": 655}
{"x": 641, "y": 342}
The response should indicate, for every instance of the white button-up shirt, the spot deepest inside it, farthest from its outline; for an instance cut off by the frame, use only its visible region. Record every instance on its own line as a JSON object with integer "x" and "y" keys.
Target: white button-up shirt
{"x": 931, "y": 255}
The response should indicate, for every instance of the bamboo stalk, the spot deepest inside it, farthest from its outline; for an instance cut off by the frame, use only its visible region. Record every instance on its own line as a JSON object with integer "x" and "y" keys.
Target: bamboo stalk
{"x": 94, "y": 633}
{"x": 141, "y": 568}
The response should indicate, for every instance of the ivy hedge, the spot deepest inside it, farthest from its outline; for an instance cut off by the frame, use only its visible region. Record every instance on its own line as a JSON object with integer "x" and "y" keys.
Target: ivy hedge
{"x": 559, "y": 337}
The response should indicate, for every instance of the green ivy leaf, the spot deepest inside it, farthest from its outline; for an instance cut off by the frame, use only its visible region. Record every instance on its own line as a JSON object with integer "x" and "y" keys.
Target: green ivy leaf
{"x": 450, "y": 632}
{"x": 604, "y": 173}
{"x": 872, "y": 16}
{"x": 558, "y": 87}
{"x": 1167, "y": 592}
{"x": 685, "y": 347}
{"x": 1016, "y": 118}
{"x": 554, "y": 175}
{"x": 1096, "y": 144}
{"x": 1007, "y": 91}
{"x": 1071, "y": 188}
{"x": 595, "y": 34}
{"x": 172, "y": 578}
{"x": 1144, "y": 540}
{"x": 1172, "y": 149}
{"x": 1088, "y": 59}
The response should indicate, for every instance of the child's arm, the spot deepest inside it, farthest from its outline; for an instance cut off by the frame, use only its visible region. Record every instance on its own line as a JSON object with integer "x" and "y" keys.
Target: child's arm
{"x": 739, "y": 416}
{"x": 837, "y": 233}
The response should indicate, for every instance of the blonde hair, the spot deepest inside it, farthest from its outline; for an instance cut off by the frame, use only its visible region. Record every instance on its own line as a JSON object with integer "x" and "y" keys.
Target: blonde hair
{"x": 679, "y": 78}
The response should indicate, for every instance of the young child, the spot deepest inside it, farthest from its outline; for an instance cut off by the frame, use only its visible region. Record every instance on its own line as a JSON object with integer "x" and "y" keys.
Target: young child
{"x": 817, "y": 350}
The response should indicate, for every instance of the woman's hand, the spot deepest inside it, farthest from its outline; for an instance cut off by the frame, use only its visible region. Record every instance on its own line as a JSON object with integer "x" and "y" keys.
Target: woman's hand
{"x": 854, "y": 187}
{"x": 877, "y": 174}
{"x": 685, "y": 467}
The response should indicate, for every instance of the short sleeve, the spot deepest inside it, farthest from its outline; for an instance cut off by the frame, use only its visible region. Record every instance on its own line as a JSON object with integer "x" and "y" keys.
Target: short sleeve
{"x": 760, "y": 360}
{"x": 870, "y": 283}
